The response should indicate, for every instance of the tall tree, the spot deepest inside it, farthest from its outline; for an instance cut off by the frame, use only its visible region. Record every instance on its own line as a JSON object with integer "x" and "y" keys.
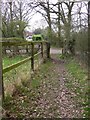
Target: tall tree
{"x": 59, "y": 25}
{"x": 66, "y": 19}
{"x": 15, "y": 17}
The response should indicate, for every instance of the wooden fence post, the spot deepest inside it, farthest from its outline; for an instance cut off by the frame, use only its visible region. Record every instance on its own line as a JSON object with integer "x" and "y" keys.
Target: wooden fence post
{"x": 48, "y": 50}
{"x": 32, "y": 57}
{"x": 42, "y": 49}
{"x": 1, "y": 73}
{"x": 89, "y": 34}
{"x": 88, "y": 59}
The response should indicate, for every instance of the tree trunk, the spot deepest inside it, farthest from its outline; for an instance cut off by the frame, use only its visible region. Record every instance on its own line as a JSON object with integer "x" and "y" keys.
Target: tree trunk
{"x": 11, "y": 20}
{"x": 49, "y": 22}
{"x": 68, "y": 27}
{"x": 59, "y": 26}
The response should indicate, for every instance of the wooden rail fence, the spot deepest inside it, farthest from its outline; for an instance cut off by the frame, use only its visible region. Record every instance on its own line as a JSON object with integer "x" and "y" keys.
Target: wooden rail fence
{"x": 31, "y": 57}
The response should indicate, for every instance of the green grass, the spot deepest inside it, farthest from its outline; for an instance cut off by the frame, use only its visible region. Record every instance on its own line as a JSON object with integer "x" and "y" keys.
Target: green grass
{"x": 78, "y": 83}
{"x": 75, "y": 69}
{"x": 15, "y": 76}
{"x": 9, "y": 61}
{"x": 20, "y": 74}
{"x": 18, "y": 104}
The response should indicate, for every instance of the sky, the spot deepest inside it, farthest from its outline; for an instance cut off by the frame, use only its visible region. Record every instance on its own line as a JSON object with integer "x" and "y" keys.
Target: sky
{"x": 38, "y": 21}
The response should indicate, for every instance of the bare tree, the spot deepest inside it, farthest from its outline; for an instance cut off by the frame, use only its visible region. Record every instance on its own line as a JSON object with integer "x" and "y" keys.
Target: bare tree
{"x": 43, "y": 7}
{"x": 63, "y": 12}
{"x": 15, "y": 17}
{"x": 21, "y": 10}
{"x": 59, "y": 25}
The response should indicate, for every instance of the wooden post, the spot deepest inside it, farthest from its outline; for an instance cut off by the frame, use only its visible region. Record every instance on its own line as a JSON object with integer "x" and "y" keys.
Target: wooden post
{"x": 42, "y": 49}
{"x": 89, "y": 28}
{"x": 89, "y": 35}
{"x": 1, "y": 79}
{"x": 1, "y": 73}
{"x": 88, "y": 59}
{"x": 48, "y": 50}
{"x": 32, "y": 55}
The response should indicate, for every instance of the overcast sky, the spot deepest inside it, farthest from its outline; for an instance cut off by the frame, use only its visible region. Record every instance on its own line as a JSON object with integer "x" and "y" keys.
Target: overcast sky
{"x": 38, "y": 21}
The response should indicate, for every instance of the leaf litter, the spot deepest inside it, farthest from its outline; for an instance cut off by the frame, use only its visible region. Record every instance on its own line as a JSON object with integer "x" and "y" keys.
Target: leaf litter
{"x": 50, "y": 99}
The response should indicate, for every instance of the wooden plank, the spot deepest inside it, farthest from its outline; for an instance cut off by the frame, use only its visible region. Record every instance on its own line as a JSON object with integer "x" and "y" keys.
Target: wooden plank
{"x": 16, "y": 65}
{"x": 15, "y": 43}
{"x": 36, "y": 42}
{"x": 21, "y": 43}
{"x": 37, "y": 54}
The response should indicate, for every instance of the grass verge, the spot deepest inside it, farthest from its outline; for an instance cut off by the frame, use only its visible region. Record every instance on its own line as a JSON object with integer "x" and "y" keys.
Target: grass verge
{"x": 78, "y": 84}
{"x": 19, "y": 75}
{"x": 23, "y": 102}
{"x": 9, "y": 61}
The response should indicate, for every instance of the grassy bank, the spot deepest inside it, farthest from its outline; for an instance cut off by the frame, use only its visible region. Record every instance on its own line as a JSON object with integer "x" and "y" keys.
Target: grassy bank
{"x": 23, "y": 101}
{"x": 18, "y": 75}
{"x": 78, "y": 83}
{"x": 11, "y": 60}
